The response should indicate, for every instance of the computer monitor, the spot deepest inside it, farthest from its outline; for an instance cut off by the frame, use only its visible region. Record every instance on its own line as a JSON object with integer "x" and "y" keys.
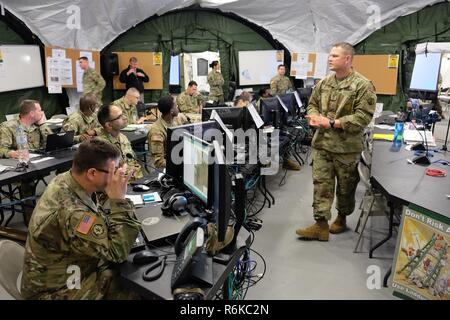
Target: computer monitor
{"x": 196, "y": 166}
{"x": 272, "y": 113}
{"x": 222, "y": 192}
{"x": 304, "y": 95}
{"x": 233, "y": 116}
{"x": 175, "y": 136}
{"x": 290, "y": 102}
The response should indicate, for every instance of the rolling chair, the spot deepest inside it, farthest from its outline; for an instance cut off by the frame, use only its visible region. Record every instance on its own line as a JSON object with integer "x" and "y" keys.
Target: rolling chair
{"x": 11, "y": 256}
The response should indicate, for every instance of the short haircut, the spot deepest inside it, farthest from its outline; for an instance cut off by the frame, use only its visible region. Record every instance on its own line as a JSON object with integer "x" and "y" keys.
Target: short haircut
{"x": 132, "y": 90}
{"x": 192, "y": 83}
{"x": 346, "y": 46}
{"x": 133, "y": 59}
{"x": 26, "y": 106}
{"x": 280, "y": 65}
{"x": 94, "y": 153}
{"x": 247, "y": 96}
{"x": 262, "y": 91}
{"x": 165, "y": 104}
{"x": 236, "y": 101}
{"x": 104, "y": 114}
{"x": 214, "y": 63}
{"x": 83, "y": 58}
{"x": 87, "y": 101}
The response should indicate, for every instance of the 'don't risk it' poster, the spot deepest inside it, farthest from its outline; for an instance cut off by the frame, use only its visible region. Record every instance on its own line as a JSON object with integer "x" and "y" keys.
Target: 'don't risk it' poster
{"x": 422, "y": 265}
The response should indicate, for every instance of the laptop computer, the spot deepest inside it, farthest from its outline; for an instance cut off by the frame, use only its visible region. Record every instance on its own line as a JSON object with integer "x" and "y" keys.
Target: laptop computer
{"x": 59, "y": 141}
{"x": 157, "y": 227}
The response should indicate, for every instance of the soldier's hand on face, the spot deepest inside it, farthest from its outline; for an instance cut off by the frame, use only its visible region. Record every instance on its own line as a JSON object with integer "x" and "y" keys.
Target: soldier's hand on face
{"x": 41, "y": 120}
{"x": 13, "y": 154}
{"x": 91, "y": 132}
{"x": 116, "y": 186}
{"x": 84, "y": 136}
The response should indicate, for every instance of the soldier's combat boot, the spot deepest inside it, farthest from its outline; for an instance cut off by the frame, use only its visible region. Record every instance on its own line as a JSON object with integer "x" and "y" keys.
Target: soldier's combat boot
{"x": 318, "y": 231}
{"x": 291, "y": 165}
{"x": 339, "y": 225}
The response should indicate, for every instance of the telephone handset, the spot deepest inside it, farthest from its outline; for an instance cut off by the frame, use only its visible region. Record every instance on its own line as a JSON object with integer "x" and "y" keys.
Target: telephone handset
{"x": 181, "y": 241}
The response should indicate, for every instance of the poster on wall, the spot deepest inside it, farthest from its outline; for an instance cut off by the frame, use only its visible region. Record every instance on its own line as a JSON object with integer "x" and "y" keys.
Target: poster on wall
{"x": 422, "y": 266}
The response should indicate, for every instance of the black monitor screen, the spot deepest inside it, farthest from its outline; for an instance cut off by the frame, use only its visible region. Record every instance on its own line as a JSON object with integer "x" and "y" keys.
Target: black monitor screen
{"x": 271, "y": 112}
{"x": 233, "y": 116}
{"x": 304, "y": 95}
{"x": 290, "y": 102}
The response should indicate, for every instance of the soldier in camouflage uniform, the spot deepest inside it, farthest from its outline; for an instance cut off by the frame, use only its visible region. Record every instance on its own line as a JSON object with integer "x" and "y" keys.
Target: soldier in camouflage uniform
{"x": 128, "y": 105}
{"x": 32, "y": 119}
{"x": 340, "y": 107}
{"x": 280, "y": 83}
{"x": 190, "y": 101}
{"x": 215, "y": 81}
{"x": 158, "y": 132}
{"x": 73, "y": 244}
{"x": 112, "y": 120}
{"x": 84, "y": 121}
{"x": 92, "y": 80}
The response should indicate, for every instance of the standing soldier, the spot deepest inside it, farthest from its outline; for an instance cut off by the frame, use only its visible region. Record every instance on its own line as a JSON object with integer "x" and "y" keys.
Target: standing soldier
{"x": 190, "y": 101}
{"x": 92, "y": 80}
{"x": 158, "y": 132}
{"x": 340, "y": 107}
{"x": 215, "y": 81}
{"x": 280, "y": 83}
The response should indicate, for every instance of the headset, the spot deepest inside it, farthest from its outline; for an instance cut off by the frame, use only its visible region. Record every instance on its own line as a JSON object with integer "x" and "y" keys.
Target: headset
{"x": 175, "y": 204}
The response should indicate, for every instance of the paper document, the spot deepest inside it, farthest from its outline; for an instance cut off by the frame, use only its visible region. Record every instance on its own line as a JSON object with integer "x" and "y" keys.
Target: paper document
{"x": 135, "y": 198}
{"x": 297, "y": 98}
{"x": 282, "y": 104}
{"x": 413, "y": 136}
{"x": 42, "y": 160}
{"x": 255, "y": 115}
{"x": 227, "y": 131}
{"x": 33, "y": 155}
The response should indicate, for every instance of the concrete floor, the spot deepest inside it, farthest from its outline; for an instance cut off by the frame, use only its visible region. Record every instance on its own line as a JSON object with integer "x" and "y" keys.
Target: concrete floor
{"x": 299, "y": 269}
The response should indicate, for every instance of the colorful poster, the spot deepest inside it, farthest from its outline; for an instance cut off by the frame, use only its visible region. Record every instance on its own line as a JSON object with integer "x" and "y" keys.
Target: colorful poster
{"x": 422, "y": 266}
{"x": 157, "y": 59}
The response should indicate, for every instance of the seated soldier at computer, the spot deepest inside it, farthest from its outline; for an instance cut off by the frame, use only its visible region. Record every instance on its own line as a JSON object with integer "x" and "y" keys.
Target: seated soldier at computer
{"x": 170, "y": 117}
{"x": 128, "y": 105}
{"x": 32, "y": 120}
{"x": 84, "y": 121}
{"x": 263, "y": 93}
{"x": 112, "y": 119}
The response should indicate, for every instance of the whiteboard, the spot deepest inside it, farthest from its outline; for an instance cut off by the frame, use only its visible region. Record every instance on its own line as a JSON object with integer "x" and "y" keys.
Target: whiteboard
{"x": 20, "y": 67}
{"x": 426, "y": 72}
{"x": 258, "y": 67}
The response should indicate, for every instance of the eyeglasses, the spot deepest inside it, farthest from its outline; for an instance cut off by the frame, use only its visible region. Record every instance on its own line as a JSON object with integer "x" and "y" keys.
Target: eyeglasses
{"x": 120, "y": 116}
{"x": 102, "y": 170}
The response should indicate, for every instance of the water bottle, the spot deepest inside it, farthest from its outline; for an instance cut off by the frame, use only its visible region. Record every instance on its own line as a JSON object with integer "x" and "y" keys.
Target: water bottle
{"x": 22, "y": 145}
{"x": 398, "y": 131}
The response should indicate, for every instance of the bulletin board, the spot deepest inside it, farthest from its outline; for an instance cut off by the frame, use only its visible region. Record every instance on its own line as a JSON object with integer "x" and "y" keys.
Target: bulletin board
{"x": 309, "y": 65}
{"x": 150, "y": 62}
{"x": 72, "y": 54}
{"x": 382, "y": 70}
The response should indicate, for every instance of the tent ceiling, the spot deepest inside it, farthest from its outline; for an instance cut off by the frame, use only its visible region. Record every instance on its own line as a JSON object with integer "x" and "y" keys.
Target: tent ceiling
{"x": 300, "y": 25}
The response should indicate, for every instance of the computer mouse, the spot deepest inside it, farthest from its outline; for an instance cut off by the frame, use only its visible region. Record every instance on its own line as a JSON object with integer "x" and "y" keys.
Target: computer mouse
{"x": 145, "y": 257}
{"x": 141, "y": 188}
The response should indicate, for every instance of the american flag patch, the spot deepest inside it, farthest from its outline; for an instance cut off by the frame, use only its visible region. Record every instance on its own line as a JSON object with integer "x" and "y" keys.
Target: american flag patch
{"x": 86, "y": 223}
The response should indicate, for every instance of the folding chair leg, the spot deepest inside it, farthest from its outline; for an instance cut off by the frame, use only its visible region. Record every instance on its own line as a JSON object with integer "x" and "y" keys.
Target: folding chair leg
{"x": 365, "y": 219}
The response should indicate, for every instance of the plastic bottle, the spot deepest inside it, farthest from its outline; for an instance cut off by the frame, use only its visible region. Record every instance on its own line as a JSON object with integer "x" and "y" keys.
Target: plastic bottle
{"x": 398, "y": 130}
{"x": 22, "y": 145}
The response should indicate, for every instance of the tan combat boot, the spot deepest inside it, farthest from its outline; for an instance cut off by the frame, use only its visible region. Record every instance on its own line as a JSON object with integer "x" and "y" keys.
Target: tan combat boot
{"x": 339, "y": 225}
{"x": 318, "y": 231}
{"x": 291, "y": 165}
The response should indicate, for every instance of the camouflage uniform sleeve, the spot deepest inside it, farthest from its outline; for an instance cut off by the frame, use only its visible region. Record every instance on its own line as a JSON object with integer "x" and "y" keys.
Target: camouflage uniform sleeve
{"x": 180, "y": 102}
{"x": 273, "y": 86}
{"x": 364, "y": 108}
{"x": 6, "y": 141}
{"x": 45, "y": 130}
{"x": 70, "y": 125}
{"x": 157, "y": 149}
{"x": 314, "y": 101}
{"x": 90, "y": 235}
{"x": 99, "y": 81}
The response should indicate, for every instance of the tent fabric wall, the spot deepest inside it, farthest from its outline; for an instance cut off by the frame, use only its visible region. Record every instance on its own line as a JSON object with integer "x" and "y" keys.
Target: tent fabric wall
{"x": 401, "y": 37}
{"x": 9, "y": 101}
{"x": 190, "y": 31}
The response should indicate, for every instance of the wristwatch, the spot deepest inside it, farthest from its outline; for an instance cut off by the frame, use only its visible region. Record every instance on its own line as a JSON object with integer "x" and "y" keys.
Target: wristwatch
{"x": 332, "y": 123}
